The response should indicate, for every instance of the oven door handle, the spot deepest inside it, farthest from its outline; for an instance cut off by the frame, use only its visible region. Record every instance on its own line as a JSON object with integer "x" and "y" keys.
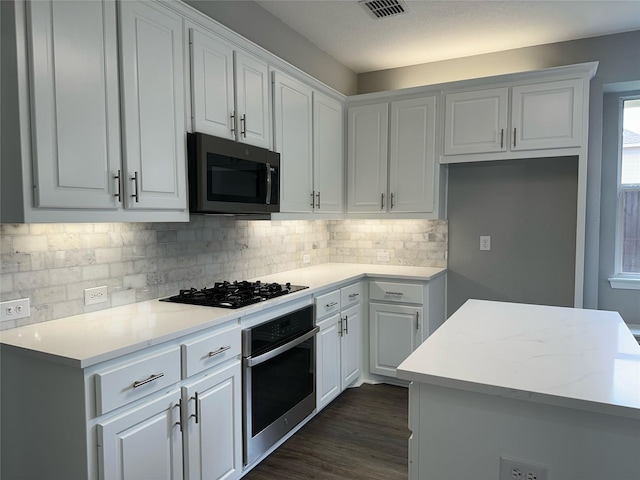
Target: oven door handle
{"x": 253, "y": 361}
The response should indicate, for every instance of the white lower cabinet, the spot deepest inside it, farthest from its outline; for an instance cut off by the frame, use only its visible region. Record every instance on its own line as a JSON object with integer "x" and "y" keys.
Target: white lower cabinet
{"x": 144, "y": 442}
{"x": 213, "y": 425}
{"x": 339, "y": 361}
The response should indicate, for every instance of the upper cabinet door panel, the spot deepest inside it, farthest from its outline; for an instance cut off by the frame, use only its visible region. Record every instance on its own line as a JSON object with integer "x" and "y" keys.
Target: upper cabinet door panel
{"x": 153, "y": 106}
{"x": 252, "y": 100}
{"x": 328, "y": 153}
{"x": 74, "y": 88}
{"x": 412, "y": 162}
{"x": 212, "y": 85}
{"x": 547, "y": 115}
{"x": 476, "y": 122}
{"x": 368, "y": 132}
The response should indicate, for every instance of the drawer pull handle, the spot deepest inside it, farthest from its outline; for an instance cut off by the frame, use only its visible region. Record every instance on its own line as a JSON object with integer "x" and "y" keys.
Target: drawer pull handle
{"x": 393, "y": 293}
{"x": 332, "y": 304}
{"x": 219, "y": 351}
{"x": 354, "y": 295}
{"x": 150, "y": 379}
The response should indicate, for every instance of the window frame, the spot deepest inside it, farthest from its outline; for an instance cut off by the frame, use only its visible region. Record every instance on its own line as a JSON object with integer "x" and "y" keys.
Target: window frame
{"x": 620, "y": 279}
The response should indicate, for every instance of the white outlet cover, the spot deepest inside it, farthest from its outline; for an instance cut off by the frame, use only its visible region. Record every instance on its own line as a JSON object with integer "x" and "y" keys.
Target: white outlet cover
{"x": 383, "y": 256}
{"x": 95, "y": 295}
{"x": 306, "y": 258}
{"x": 485, "y": 242}
{"x": 14, "y": 309}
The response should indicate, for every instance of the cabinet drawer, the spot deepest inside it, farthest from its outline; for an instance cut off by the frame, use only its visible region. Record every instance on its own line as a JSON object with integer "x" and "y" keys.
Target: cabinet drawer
{"x": 396, "y": 292}
{"x": 208, "y": 350}
{"x": 350, "y": 295}
{"x": 134, "y": 379}
{"x": 327, "y": 304}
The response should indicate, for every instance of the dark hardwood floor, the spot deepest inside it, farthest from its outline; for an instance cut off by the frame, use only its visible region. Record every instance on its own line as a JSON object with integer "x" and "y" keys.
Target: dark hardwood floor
{"x": 362, "y": 434}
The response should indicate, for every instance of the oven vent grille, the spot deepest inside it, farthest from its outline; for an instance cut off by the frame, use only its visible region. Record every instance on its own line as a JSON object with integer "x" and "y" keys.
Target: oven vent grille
{"x": 379, "y": 9}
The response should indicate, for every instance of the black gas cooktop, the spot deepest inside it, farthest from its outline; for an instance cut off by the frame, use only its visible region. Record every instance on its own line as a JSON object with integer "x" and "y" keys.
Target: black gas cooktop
{"x": 233, "y": 294}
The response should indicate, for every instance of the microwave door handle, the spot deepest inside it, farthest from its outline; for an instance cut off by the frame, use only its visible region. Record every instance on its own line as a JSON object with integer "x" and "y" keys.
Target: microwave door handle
{"x": 268, "y": 183}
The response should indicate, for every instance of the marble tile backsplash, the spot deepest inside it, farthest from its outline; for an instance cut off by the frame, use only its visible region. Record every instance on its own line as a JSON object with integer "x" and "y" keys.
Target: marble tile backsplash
{"x": 52, "y": 264}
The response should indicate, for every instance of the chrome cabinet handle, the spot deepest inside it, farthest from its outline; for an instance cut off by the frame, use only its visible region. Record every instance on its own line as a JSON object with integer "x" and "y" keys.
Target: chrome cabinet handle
{"x": 135, "y": 183}
{"x": 150, "y": 379}
{"x": 393, "y": 293}
{"x": 243, "y": 126}
{"x": 197, "y": 414}
{"x": 318, "y": 200}
{"x": 392, "y": 195}
{"x": 118, "y": 194}
{"x": 219, "y": 351}
{"x": 332, "y": 304}
{"x": 233, "y": 122}
{"x": 268, "y": 202}
{"x": 354, "y": 295}
{"x": 514, "y": 136}
{"x": 312, "y": 197}
{"x": 502, "y": 138}
{"x": 382, "y": 201}
{"x": 417, "y": 320}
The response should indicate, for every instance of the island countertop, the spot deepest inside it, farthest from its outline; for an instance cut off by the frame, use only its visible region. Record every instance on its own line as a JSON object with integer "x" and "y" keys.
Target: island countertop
{"x": 86, "y": 339}
{"x": 585, "y": 359}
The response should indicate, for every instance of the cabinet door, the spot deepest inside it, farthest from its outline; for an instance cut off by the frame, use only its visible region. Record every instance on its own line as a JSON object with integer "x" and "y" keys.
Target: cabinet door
{"x": 328, "y": 361}
{"x": 293, "y": 131}
{"x": 351, "y": 346}
{"x": 476, "y": 122}
{"x": 144, "y": 442}
{"x": 212, "y": 98}
{"x": 328, "y": 153}
{"x": 252, "y": 100}
{"x": 213, "y": 425}
{"x": 395, "y": 332}
{"x": 153, "y": 108}
{"x": 74, "y": 107}
{"x": 412, "y": 163}
{"x": 547, "y": 115}
{"x": 368, "y": 132}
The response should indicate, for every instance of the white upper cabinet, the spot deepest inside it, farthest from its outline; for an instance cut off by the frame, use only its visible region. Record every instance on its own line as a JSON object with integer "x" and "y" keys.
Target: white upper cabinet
{"x": 412, "y": 165}
{"x": 74, "y": 103}
{"x": 476, "y": 122}
{"x": 153, "y": 109}
{"x": 391, "y": 166}
{"x": 293, "y": 104}
{"x": 547, "y": 115}
{"x": 230, "y": 91}
{"x": 367, "y": 155}
{"x": 541, "y": 116}
{"x": 328, "y": 165}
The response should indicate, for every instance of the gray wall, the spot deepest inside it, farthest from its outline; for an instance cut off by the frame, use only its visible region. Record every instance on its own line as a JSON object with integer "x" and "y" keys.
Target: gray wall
{"x": 528, "y": 207}
{"x": 627, "y": 302}
{"x": 256, "y": 24}
{"x": 619, "y": 57}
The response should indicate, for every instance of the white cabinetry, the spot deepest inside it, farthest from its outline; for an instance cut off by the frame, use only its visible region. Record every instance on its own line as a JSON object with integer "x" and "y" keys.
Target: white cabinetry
{"x": 339, "y": 362}
{"x": 401, "y": 316}
{"x": 308, "y": 136}
{"x": 544, "y": 115}
{"x": 153, "y": 107}
{"x": 230, "y": 90}
{"x": 391, "y": 165}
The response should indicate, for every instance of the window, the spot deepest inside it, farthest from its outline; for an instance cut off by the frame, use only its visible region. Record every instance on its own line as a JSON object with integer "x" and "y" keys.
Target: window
{"x": 628, "y": 225}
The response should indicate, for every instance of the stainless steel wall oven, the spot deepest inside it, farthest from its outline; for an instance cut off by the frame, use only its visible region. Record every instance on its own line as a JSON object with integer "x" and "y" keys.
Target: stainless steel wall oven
{"x": 279, "y": 378}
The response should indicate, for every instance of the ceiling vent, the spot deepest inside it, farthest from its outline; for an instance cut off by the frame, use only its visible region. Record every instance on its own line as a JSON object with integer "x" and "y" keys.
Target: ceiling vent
{"x": 384, "y": 8}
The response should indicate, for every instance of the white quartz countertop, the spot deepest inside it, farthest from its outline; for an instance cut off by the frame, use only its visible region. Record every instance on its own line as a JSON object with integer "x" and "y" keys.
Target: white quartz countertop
{"x": 585, "y": 359}
{"x": 90, "y": 338}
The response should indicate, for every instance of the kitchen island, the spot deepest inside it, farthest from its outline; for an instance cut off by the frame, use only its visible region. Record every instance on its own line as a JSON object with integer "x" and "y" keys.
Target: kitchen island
{"x": 555, "y": 388}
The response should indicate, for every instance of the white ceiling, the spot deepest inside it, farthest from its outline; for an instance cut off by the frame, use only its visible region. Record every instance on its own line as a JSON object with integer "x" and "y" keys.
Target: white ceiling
{"x": 434, "y": 30}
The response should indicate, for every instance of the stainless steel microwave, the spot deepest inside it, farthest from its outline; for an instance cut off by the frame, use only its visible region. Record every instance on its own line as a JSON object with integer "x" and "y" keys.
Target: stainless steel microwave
{"x": 231, "y": 177}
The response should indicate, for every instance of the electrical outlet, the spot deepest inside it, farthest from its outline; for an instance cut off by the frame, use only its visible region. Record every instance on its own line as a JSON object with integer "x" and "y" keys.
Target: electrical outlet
{"x": 95, "y": 295}
{"x": 383, "y": 256}
{"x": 306, "y": 258}
{"x": 485, "y": 242}
{"x": 514, "y": 469}
{"x": 14, "y": 309}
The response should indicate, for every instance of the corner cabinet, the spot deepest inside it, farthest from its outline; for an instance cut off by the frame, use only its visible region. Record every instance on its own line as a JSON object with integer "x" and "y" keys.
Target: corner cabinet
{"x": 308, "y": 135}
{"x": 545, "y": 115}
{"x": 391, "y": 162}
{"x": 230, "y": 90}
